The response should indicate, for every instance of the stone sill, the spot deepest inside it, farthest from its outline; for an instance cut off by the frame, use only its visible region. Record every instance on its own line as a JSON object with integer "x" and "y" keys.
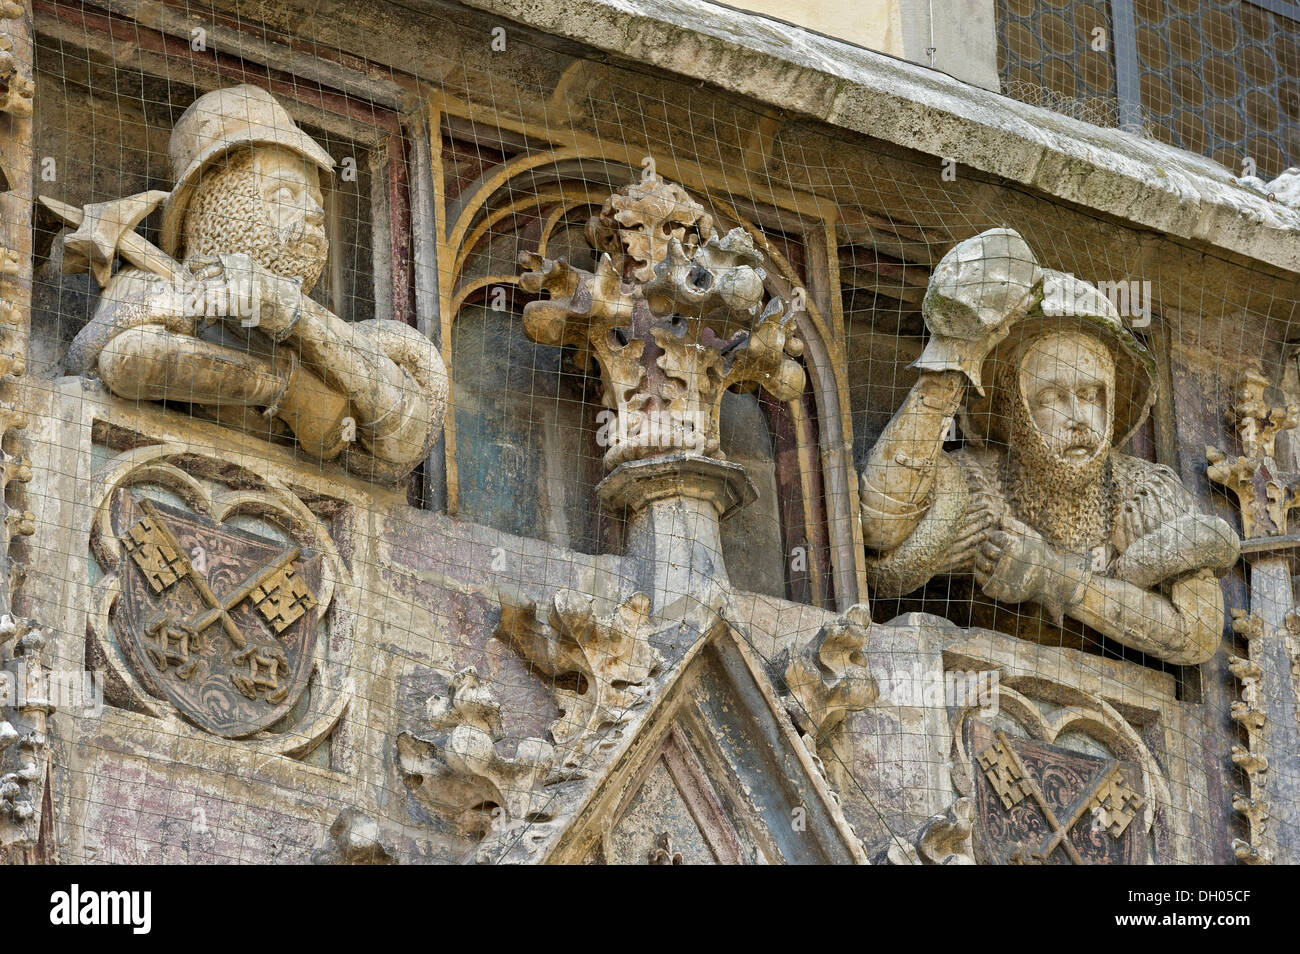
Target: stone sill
{"x": 1139, "y": 181}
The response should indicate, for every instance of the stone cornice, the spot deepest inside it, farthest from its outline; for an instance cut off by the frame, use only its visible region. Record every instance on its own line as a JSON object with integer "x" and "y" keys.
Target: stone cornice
{"x": 1145, "y": 183}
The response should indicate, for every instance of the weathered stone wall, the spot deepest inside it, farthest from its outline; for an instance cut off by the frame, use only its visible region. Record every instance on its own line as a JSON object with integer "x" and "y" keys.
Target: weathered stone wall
{"x": 836, "y": 159}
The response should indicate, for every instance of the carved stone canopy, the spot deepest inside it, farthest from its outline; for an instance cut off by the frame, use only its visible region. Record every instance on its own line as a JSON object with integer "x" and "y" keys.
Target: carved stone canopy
{"x": 674, "y": 314}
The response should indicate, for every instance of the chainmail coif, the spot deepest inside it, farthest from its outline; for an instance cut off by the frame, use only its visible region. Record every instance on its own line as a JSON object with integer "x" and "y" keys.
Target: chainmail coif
{"x": 1070, "y": 504}
{"x": 228, "y": 215}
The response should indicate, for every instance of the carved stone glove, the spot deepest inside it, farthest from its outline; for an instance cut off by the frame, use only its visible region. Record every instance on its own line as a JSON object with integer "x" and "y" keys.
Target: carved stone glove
{"x": 258, "y": 298}
{"x": 1016, "y": 565}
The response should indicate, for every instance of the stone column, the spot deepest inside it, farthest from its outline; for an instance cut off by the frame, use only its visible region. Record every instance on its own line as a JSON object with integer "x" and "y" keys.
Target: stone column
{"x": 674, "y": 314}
{"x": 674, "y": 506}
{"x": 24, "y": 687}
{"x": 1269, "y": 802}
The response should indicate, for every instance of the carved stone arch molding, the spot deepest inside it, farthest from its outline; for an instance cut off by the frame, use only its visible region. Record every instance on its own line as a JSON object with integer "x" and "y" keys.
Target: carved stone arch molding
{"x": 1055, "y": 775}
{"x": 547, "y": 179}
{"x": 265, "y": 559}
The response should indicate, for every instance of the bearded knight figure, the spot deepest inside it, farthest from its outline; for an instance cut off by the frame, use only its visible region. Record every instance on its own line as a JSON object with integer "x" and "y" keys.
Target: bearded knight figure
{"x": 1038, "y": 507}
{"x": 246, "y": 220}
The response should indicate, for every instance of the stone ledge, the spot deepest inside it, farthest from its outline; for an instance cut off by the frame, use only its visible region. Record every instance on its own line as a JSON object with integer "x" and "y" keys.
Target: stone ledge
{"x": 1143, "y": 182}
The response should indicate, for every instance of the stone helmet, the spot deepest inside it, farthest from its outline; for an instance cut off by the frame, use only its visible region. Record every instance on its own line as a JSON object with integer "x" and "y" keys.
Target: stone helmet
{"x": 1068, "y": 304}
{"x": 215, "y": 125}
{"x": 976, "y": 294}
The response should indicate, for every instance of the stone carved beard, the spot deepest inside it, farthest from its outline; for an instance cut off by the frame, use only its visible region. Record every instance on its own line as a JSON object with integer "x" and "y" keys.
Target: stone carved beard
{"x": 228, "y": 214}
{"x": 1068, "y": 502}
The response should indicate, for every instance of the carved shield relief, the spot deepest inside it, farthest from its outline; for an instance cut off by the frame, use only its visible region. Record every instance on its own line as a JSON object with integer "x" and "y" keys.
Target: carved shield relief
{"x": 1056, "y": 775}
{"x": 220, "y": 622}
{"x": 1038, "y": 803}
{"x": 214, "y": 607}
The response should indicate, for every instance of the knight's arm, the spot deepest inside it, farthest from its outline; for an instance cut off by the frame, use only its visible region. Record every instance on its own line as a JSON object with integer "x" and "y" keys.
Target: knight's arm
{"x": 131, "y": 299}
{"x": 897, "y": 484}
{"x": 1164, "y": 598}
{"x": 394, "y": 413}
{"x": 1183, "y": 628}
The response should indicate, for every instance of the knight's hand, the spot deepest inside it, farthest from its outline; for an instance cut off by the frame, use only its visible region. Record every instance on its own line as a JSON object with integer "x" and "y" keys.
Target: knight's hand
{"x": 1011, "y": 566}
{"x": 1016, "y": 565}
{"x": 977, "y": 292}
{"x": 204, "y": 268}
{"x": 977, "y": 523}
{"x": 208, "y": 291}
{"x": 258, "y": 298}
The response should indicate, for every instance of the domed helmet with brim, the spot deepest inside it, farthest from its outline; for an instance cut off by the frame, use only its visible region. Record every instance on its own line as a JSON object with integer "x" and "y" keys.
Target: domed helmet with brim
{"x": 976, "y": 294}
{"x": 215, "y": 125}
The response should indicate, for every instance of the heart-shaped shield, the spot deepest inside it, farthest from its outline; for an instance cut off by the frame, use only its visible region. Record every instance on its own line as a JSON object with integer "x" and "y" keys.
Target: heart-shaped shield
{"x": 220, "y": 622}
{"x": 1039, "y": 803}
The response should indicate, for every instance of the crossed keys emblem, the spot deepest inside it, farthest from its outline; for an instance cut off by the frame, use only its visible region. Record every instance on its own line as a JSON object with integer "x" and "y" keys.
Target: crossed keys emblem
{"x": 275, "y": 590}
{"x": 1107, "y": 797}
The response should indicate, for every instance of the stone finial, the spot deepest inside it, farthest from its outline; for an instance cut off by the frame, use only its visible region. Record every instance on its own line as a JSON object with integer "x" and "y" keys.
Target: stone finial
{"x": 827, "y": 676}
{"x": 16, "y": 90}
{"x": 1264, "y": 494}
{"x": 674, "y": 316}
{"x": 355, "y": 839}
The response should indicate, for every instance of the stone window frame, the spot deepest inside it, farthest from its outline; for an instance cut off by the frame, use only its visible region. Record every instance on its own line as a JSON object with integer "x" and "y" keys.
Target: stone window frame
{"x": 390, "y": 114}
{"x": 817, "y": 428}
{"x": 318, "y": 92}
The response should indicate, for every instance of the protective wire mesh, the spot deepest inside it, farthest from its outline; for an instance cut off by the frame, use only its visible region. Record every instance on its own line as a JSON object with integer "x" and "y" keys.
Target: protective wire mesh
{"x": 1060, "y": 57}
{"x": 1218, "y": 79}
{"x": 1221, "y": 80}
{"x": 460, "y": 143}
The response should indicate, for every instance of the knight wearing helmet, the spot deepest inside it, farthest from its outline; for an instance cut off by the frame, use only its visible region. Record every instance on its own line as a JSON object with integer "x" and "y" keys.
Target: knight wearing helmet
{"x": 1038, "y": 506}
{"x": 246, "y": 218}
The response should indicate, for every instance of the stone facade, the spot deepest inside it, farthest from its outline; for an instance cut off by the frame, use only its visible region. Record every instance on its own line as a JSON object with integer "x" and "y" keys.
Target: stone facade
{"x": 579, "y": 432}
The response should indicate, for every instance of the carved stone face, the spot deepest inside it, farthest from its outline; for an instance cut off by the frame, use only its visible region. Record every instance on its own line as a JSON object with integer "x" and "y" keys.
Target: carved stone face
{"x": 291, "y": 191}
{"x": 267, "y": 203}
{"x": 1067, "y": 381}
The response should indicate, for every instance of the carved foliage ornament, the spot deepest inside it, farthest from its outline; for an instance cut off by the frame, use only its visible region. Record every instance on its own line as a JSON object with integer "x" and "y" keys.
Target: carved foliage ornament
{"x": 24, "y": 747}
{"x": 457, "y": 769}
{"x": 601, "y": 667}
{"x": 945, "y": 839}
{"x": 674, "y": 315}
{"x": 827, "y": 677}
{"x": 1249, "y": 714}
{"x": 1264, "y": 493}
{"x": 16, "y": 84}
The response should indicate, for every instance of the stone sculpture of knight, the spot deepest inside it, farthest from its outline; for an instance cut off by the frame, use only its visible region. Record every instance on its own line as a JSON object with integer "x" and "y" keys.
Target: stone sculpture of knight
{"x": 220, "y": 317}
{"x": 1039, "y": 507}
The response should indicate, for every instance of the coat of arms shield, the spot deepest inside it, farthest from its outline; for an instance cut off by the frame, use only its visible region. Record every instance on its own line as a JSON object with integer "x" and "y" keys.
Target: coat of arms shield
{"x": 1038, "y": 803}
{"x": 218, "y": 621}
